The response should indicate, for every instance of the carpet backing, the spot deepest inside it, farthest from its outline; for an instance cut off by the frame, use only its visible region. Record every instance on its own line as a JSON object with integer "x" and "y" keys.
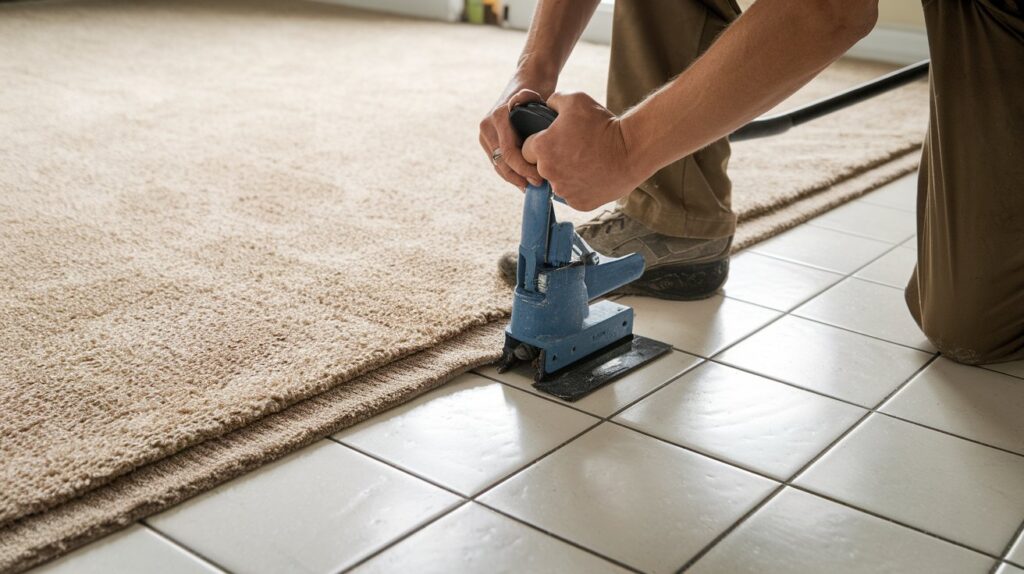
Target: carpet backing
{"x": 228, "y": 229}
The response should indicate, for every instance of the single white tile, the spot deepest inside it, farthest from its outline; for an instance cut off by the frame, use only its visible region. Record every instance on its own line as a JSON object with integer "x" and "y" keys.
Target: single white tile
{"x": 939, "y": 483}
{"x": 868, "y": 308}
{"x": 893, "y": 268}
{"x": 967, "y": 401}
{"x": 1007, "y": 568}
{"x": 475, "y": 539}
{"x": 823, "y": 248}
{"x": 799, "y": 533}
{"x": 775, "y": 283}
{"x": 134, "y": 549}
{"x": 1016, "y": 554}
{"x": 701, "y": 328}
{"x": 617, "y": 394}
{"x": 826, "y": 359}
{"x": 467, "y": 434}
{"x": 899, "y": 194}
{"x": 320, "y": 509}
{"x": 1014, "y": 368}
{"x": 871, "y": 221}
{"x": 630, "y": 497}
{"x": 743, "y": 419}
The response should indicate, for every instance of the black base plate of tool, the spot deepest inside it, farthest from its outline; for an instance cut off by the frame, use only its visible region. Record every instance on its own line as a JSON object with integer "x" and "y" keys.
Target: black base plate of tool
{"x": 588, "y": 375}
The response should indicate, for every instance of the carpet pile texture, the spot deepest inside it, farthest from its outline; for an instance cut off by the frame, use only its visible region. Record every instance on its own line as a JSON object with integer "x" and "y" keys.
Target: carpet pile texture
{"x": 228, "y": 229}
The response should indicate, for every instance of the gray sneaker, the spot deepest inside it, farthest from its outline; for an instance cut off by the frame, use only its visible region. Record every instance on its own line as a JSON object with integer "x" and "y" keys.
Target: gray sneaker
{"x": 676, "y": 267}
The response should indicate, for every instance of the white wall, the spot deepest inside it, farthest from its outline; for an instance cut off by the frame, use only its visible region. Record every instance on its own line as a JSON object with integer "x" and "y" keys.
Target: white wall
{"x": 450, "y": 10}
{"x": 893, "y": 40}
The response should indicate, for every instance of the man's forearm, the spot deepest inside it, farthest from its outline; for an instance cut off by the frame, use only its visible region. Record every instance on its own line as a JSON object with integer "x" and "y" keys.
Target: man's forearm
{"x": 767, "y": 54}
{"x": 557, "y": 26}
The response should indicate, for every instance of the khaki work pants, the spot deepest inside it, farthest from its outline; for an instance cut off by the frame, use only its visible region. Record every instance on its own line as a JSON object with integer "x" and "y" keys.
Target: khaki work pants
{"x": 967, "y": 292}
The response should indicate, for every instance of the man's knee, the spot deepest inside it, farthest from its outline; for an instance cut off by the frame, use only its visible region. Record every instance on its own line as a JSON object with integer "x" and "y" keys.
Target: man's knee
{"x": 966, "y": 337}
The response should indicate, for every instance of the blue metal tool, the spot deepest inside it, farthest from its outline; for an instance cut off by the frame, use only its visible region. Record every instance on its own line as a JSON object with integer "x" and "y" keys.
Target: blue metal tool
{"x": 574, "y": 346}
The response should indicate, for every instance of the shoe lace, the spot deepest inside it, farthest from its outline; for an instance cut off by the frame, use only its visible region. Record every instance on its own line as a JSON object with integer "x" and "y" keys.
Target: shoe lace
{"x": 607, "y": 220}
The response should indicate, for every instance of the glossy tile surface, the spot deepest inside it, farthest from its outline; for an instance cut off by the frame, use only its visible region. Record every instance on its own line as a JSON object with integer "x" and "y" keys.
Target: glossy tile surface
{"x": 867, "y": 308}
{"x": 1016, "y": 554}
{"x": 743, "y": 419}
{"x": 824, "y": 248}
{"x": 772, "y": 282}
{"x": 468, "y": 434}
{"x": 134, "y": 549}
{"x": 827, "y": 359}
{"x": 967, "y": 401}
{"x": 942, "y": 484}
{"x": 1013, "y": 368}
{"x": 800, "y": 533}
{"x": 641, "y": 501}
{"x": 700, "y": 328}
{"x": 617, "y": 394}
{"x": 899, "y": 194}
{"x": 892, "y": 269}
{"x": 1007, "y": 568}
{"x": 318, "y": 510}
{"x": 868, "y": 220}
{"x": 475, "y": 539}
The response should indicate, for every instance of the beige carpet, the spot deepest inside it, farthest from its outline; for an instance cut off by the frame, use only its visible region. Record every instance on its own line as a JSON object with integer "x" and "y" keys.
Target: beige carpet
{"x": 228, "y": 229}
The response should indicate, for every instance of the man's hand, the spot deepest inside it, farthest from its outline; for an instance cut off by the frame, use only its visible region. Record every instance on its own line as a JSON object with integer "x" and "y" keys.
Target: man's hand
{"x": 499, "y": 139}
{"x": 584, "y": 154}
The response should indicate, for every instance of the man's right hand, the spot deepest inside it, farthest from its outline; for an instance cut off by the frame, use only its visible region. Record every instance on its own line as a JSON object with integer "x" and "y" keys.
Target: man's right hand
{"x": 500, "y": 141}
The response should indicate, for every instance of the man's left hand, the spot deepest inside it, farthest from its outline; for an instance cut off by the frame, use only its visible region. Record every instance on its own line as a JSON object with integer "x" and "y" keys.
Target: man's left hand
{"x": 583, "y": 154}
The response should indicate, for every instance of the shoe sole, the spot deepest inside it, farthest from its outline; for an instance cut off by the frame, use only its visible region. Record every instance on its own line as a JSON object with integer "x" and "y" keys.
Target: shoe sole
{"x": 690, "y": 282}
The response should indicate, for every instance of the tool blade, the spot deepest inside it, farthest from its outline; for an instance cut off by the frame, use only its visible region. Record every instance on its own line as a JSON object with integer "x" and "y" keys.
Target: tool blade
{"x": 586, "y": 376}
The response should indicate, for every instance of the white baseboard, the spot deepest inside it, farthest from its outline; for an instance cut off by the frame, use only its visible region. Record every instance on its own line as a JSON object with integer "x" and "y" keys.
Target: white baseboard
{"x": 448, "y": 10}
{"x": 894, "y": 45}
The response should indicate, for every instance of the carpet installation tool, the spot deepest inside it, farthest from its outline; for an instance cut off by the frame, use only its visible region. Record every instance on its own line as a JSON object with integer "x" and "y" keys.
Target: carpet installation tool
{"x": 576, "y": 346}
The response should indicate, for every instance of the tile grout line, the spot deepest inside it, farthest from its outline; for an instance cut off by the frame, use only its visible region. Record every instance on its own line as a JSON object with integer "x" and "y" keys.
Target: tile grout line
{"x": 557, "y": 536}
{"x": 869, "y": 409}
{"x": 1018, "y": 535}
{"x": 182, "y": 546}
{"x": 395, "y": 541}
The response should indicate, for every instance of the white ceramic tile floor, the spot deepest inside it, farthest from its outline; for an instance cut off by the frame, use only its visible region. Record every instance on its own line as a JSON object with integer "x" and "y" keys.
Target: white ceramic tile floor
{"x": 701, "y": 328}
{"x": 965, "y": 492}
{"x": 134, "y": 549}
{"x": 967, "y": 401}
{"x": 1016, "y": 554}
{"x": 1009, "y": 569}
{"x": 743, "y": 419}
{"x": 823, "y": 248}
{"x": 318, "y": 510}
{"x": 799, "y": 533}
{"x": 868, "y": 308}
{"x": 467, "y": 434}
{"x": 900, "y": 194}
{"x": 475, "y": 539}
{"x": 871, "y": 221}
{"x": 899, "y": 495}
{"x": 775, "y": 283}
{"x": 1015, "y": 368}
{"x": 893, "y": 269}
{"x": 639, "y": 500}
{"x": 826, "y": 359}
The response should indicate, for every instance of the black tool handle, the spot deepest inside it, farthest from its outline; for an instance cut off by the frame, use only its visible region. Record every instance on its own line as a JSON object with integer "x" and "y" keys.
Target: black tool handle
{"x": 530, "y": 118}
{"x": 780, "y": 123}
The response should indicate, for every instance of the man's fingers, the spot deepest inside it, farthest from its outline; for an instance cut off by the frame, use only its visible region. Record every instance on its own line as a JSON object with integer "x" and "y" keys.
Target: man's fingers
{"x": 512, "y": 156}
{"x": 556, "y": 101}
{"x": 523, "y": 96}
{"x": 510, "y": 176}
{"x": 530, "y": 151}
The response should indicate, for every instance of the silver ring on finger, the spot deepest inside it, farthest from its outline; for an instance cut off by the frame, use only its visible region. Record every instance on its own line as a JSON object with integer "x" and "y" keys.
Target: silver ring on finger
{"x": 496, "y": 156}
